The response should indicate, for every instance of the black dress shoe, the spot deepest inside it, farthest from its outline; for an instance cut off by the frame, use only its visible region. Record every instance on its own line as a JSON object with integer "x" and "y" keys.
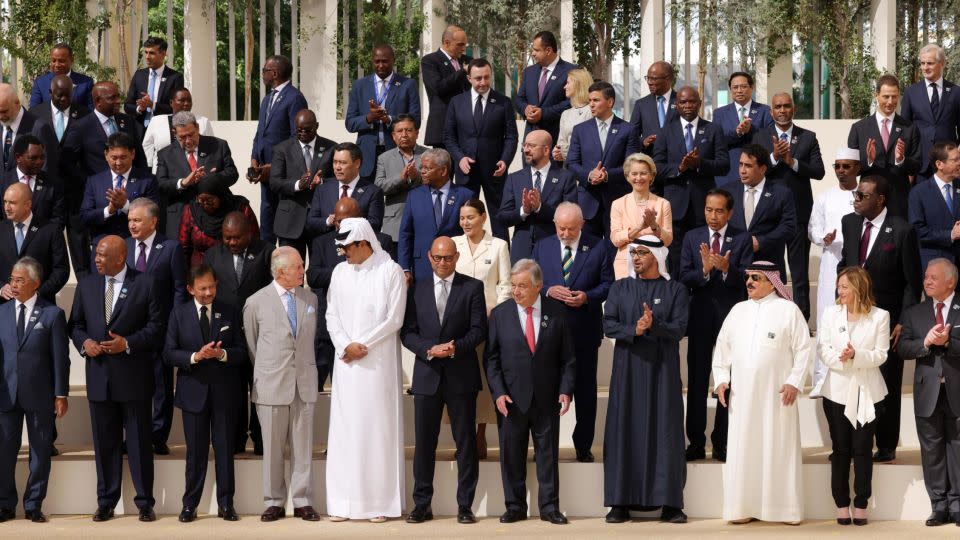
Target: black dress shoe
{"x": 272, "y": 513}
{"x": 695, "y": 453}
{"x": 306, "y": 513}
{"x": 720, "y": 453}
{"x": 103, "y": 513}
{"x": 642, "y": 508}
{"x": 844, "y": 521}
{"x": 618, "y": 514}
{"x": 54, "y": 452}
{"x": 228, "y": 513}
{"x": 672, "y": 515}
{"x": 512, "y": 516}
{"x": 585, "y": 456}
{"x": 937, "y": 519}
{"x": 465, "y": 515}
{"x": 6, "y": 514}
{"x": 147, "y": 514}
{"x": 36, "y": 516}
{"x": 420, "y": 513}
{"x": 188, "y": 514}
{"x": 161, "y": 449}
{"x": 554, "y": 517}
{"x": 860, "y": 522}
{"x": 884, "y": 455}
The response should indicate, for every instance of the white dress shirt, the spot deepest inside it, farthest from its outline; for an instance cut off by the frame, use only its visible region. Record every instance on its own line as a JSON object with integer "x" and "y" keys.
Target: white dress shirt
{"x": 14, "y": 125}
{"x": 31, "y": 183}
{"x": 877, "y": 223}
{"x": 573, "y": 248}
{"x": 32, "y": 301}
{"x": 473, "y": 99}
{"x": 756, "y": 195}
{"x": 350, "y": 188}
{"x": 939, "y": 83}
{"x": 313, "y": 151}
{"x": 789, "y": 132}
{"x": 117, "y": 287}
{"x": 544, "y": 171}
{"x": 522, "y": 311}
{"x": 196, "y": 306}
{"x": 940, "y": 187}
{"x": 148, "y": 247}
{"x": 54, "y": 111}
{"x": 890, "y": 127}
{"x": 279, "y": 88}
{"x": 113, "y": 183}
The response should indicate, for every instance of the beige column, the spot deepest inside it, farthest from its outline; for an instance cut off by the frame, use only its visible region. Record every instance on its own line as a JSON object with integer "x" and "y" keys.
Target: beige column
{"x": 651, "y": 37}
{"x": 883, "y": 18}
{"x": 318, "y": 57}
{"x": 199, "y": 47}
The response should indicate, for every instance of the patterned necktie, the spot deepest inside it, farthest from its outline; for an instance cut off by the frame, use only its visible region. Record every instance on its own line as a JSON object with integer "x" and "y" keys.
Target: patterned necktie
{"x": 864, "y": 243}
{"x": 742, "y": 112}
{"x": 749, "y": 206}
{"x": 22, "y": 318}
{"x": 108, "y": 300}
{"x": 566, "y": 264}
{"x": 118, "y": 183}
{"x": 661, "y": 114}
{"x": 478, "y": 113}
{"x": 442, "y": 299}
{"x": 142, "y": 258}
{"x": 715, "y": 245}
{"x": 343, "y": 192}
{"x": 783, "y": 137}
{"x": 934, "y": 99}
{"x": 884, "y": 133}
{"x": 603, "y": 135}
{"x": 291, "y": 312}
{"x": 538, "y": 182}
{"x": 204, "y": 325}
{"x": 7, "y": 144}
{"x": 192, "y": 160}
{"x": 111, "y": 126}
{"x": 238, "y": 266}
{"x": 688, "y": 137}
{"x": 529, "y": 331}
{"x": 60, "y": 127}
{"x": 307, "y": 157}
{"x": 544, "y": 72}
{"x": 948, "y": 196}
{"x": 438, "y": 207}
{"x": 19, "y": 237}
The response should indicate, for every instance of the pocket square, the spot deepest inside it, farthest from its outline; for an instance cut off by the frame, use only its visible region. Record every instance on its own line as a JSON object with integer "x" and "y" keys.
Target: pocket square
{"x": 39, "y": 325}
{"x": 224, "y": 328}
{"x": 310, "y": 309}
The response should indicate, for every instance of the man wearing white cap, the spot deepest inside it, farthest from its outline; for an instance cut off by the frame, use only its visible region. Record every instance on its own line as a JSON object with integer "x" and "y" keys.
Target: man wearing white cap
{"x": 761, "y": 356}
{"x": 825, "y": 231}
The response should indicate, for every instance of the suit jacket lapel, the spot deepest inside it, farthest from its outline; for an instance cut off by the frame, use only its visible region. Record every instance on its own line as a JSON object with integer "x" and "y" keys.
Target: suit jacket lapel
{"x": 9, "y": 242}
{"x": 32, "y": 319}
{"x": 547, "y": 182}
{"x": 578, "y": 260}
{"x": 448, "y": 206}
{"x": 883, "y": 236}
{"x": 153, "y": 254}
{"x": 301, "y": 308}
{"x": 763, "y": 203}
{"x": 452, "y": 299}
{"x": 27, "y": 237}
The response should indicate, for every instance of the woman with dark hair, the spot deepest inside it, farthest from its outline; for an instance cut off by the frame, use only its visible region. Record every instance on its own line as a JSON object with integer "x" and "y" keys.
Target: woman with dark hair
{"x": 202, "y": 219}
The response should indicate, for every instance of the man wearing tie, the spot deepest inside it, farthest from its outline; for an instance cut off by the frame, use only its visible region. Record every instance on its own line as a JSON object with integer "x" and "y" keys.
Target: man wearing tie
{"x": 152, "y": 87}
{"x": 658, "y": 108}
{"x": 83, "y": 146}
{"x": 18, "y": 122}
{"x": 933, "y": 106}
{"x": 36, "y": 381}
{"x": 46, "y": 188}
{"x": 347, "y": 164}
{"x": 740, "y": 120}
{"x": 541, "y": 99}
{"x": 23, "y": 234}
{"x": 933, "y": 206}
{"x": 444, "y": 76}
{"x": 61, "y": 65}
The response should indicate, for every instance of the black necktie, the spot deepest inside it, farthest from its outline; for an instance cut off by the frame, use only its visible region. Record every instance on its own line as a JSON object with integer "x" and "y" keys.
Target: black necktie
{"x": 478, "y": 113}
{"x": 934, "y": 100}
{"x": 204, "y": 325}
{"x": 20, "y": 319}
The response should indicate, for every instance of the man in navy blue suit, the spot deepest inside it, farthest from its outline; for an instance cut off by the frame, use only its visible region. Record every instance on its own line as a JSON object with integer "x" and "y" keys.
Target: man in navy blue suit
{"x": 933, "y": 106}
{"x": 711, "y": 266}
{"x": 598, "y": 149}
{"x": 116, "y": 323}
{"x": 532, "y": 194}
{"x": 689, "y": 153}
{"x": 934, "y": 211}
{"x": 347, "y": 182}
{"x": 374, "y": 103}
{"x": 739, "y": 121}
{"x": 61, "y": 63}
{"x": 152, "y": 87}
{"x": 83, "y": 146}
{"x": 541, "y": 98}
{"x": 205, "y": 343}
{"x": 481, "y": 136}
{"x": 34, "y": 386}
{"x": 577, "y": 272}
{"x": 658, "y": 108}
{"x": 275, "y": 124}
{"x": 432, "y": 210}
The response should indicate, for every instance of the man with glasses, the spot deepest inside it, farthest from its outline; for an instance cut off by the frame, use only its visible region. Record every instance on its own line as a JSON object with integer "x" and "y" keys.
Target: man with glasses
{"x": 740, "y": 120}
{"x": 886, "y": 246}
{"x": 934, "y": 211}
{"x": 654, "y": 111}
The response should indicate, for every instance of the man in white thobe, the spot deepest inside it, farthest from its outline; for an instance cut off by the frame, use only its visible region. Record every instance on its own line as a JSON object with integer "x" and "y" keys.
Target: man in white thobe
{"x": 761, "y": 355}
{"x": 365, "y": 306}
{"x": 825, "y": 231}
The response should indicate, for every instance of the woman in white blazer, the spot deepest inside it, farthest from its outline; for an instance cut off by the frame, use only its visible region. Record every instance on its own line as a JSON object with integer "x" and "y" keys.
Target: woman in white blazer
{"x": 578, "y": 81}
{"x": 853, "y": 338}
{"x": 160, "y": 134}
{"x": 487, "y": 258}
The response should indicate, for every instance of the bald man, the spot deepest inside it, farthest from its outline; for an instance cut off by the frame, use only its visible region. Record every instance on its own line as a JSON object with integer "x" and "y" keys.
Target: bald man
{"x": 658, "y": 108}
{"x": 84, "y": 145}
{"x": 18, "y": 121}
{"x": 23, "y": 234}
{"x": 444, "y": 76}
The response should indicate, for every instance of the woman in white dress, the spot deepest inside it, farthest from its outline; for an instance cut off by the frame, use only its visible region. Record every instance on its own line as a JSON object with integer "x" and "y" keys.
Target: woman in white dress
{"x": 852, "y": 338}
{"x": 578, "y": 81}
{"x": 160, "y": 133}
{"x": 487, "y": 258}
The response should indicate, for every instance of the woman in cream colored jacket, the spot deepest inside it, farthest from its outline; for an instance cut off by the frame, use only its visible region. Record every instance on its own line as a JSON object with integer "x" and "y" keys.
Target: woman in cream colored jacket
{"x": 638, "y": 213}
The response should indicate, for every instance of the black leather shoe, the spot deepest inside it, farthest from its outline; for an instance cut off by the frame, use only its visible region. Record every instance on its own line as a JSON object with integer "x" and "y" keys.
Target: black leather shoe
{"x": 695, "y": 453}
{"x": 188, "y": 514}
{"x": 860, "y": 522}
{"x": 672, "y": 515}
{"x": 103, "y": 513}
{"x": 585, "y": 456}
{"x": 465, "y": 515}
{"x": 884, "y": 455}
{"x": 306, "y": 513}
{"x": 844, "y": 521}
{"x": 618, "y": 514}
{"x": 147, "y": 514}
{"x": 720, "y": 453}
{"x": 420, "y": 513}
{"x": 6, "y": 514}
{"x": 54, "y": 452}
{"x": 228, "y": 514}
{"x": 36, "y": 516}
{"x": 642, "y": 508}
{"x": 554, "y": 517}
{"x": 512, "y": 516}
{"x": 937, "y": 519}
{"x": 161, "y": 449}
{"x": 273, "y": 513}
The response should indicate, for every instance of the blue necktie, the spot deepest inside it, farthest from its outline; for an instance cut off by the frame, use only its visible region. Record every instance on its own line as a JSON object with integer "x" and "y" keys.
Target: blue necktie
{"x": 152, "y": 92}
{"x": 271, "y": 99}
{"x": 119, "y": 182}
{"x": 948, "y": 195}
{"x": 688, "y": 138}
{"x": 783, "y": 137}
{"x": 19, "y": 237}
{"x": 60, "y": 127}
{"x": 111, "y": 126}
{"x": 291, "y": 312}
{"x": 661, "y": 116}
{"x": 438, "y": 207}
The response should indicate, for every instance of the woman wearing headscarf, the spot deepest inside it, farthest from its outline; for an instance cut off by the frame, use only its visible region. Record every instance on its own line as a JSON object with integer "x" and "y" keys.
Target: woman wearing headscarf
{"x": 202, "y": 219}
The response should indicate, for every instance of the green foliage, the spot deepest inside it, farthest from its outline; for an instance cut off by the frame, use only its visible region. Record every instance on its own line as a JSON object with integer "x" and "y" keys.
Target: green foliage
{"x": 399, "y": 32}
{"x": 603, "y": 28}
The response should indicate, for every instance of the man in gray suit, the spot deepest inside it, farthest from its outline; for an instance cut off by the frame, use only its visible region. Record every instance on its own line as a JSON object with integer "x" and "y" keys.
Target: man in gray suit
{"x": 929, "y": 335}
{"x": 398, "y": 171}
{"x": 280, "y": 321}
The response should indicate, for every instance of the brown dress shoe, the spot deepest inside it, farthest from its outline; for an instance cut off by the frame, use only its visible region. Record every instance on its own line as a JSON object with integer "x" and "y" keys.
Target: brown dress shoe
{"x": 306, "y": 513}
{"x": 272, "y": 513}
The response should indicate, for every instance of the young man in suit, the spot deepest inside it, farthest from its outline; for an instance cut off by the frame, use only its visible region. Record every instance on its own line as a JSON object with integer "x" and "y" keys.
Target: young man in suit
{"x": 658, "y": 108}
{"x": 526, "y": 331}
{"x": 374, "y": 104}
{"x": 541, "y": 98}
{"x": 36, "y": 365}
{"x": 61, "y": 64}
{"x": 481, "y": 136}
{"x": 347, "y": 161}
{"x": 712, "y": 262}
{"x": 932, "y": 105}
{"x": 740, "y": 120}
{"x": 116, "y": 323}
{"x": 275, "y": 124}
{"x": 152, "y": 87}
{"x": 577, "y": 273}
{"x": 83, "y": 146}
{"x": 23, "y": 234}
{"x": 398, "y": 171}
{"x": 205, "y": 342}
{"x": 444, "y": 74}
{"x": 933, "y": 206}
{"x": 885, "y": 245}
{"x": 47, "y": 188}
{"x": 444, "y": 323}
{"x": 18, "y": 122}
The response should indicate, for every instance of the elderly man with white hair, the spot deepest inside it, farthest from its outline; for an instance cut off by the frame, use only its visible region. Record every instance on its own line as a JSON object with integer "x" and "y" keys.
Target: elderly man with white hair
{"x": 18, "y": 121}
{"x": 280, "y": 321}
{"x": 932, "y": 105}
{"x": 162, "y": 131}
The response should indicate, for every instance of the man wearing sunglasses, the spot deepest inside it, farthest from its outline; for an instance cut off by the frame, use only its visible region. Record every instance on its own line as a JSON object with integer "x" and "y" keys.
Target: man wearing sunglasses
{"x": 933, "y": 209}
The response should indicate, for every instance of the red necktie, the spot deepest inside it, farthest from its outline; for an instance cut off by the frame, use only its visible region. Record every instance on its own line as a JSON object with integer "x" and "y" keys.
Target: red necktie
{"x": 343, "y": 194}
{"x": 864, "y": 243}
{"x": 715, "y": 245}
{"x": 940, "y": 313}
{"x": 192, "y": 160}
{"x": 531, "y": 337}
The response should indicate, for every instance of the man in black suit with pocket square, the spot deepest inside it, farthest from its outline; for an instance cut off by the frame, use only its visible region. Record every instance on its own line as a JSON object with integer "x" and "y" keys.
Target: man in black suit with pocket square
{"x": 152, "y": 87}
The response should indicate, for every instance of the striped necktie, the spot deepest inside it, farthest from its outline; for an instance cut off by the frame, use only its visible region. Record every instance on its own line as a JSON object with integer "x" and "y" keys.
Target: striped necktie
{"x": 567, "y": 264}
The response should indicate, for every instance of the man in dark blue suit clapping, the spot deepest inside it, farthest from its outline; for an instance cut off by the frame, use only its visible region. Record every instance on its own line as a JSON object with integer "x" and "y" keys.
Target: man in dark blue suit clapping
{"x": 347, "y": 182}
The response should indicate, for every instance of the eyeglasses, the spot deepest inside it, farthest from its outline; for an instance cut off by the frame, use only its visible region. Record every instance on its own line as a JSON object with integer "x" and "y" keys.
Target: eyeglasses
{"x": 844, "y": 166}
{"x": 442, "y": 258}
{"x": 754, "y": 277}
{"x": 859, "y": 195}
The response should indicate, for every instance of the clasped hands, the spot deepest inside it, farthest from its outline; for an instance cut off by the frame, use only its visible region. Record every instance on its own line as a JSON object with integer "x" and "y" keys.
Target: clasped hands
{"x": 938, "y": 335}
{"x": 900, "y": 151}
{"x": 210, "y": 351}
{"x": 442, "y": 350}
{"x": 598, "y": 174}
{"x": 711, "y": 260}
{"x": 781, "y": 151}
{"x": 354, "y": 351}
{"x": 533, "y": 114}
{"x": 117, "y": 344}
{"x": 531, "y": 200}
{"x": 309, "y": 181}
{"x": 645, "y": 321}
{"x": 567, "y": 296}
{"x": 116, "y": 199}
{"x": 377, "y": 113}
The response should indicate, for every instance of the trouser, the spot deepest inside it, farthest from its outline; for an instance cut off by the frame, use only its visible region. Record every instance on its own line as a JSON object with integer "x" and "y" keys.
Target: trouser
{"x": 428, "y": 412}
{"x": 162, "y": 400}
{"x": 798, "y": 257}
{"x": 268, "y": 211}
{"x": 940, "y": 455}
{"x": 285, "y": 424}
{"x": 300, "y": 244}
{"x": 543, "y": 423}
{"x": 699, "y": 364}
{"x": 110, "y": 420}
{"x": 888, "y": 410}
{"x": 247, "y": 407}
{"x": 78, "y": 243}
{"x": 849, "y": 443}
{"x": 585, "y": 396}
{"x": 216, "y": 425}
{"x": 493, "y": 195}
{"x": 40, "y": 436}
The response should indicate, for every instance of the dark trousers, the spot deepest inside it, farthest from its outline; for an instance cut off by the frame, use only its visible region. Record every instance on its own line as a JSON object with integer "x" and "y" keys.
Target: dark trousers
{"x": 110, "y": 419}
{"x": 162, "y": 400}
{"x": 40, "y": 435}
{"x": 849, "y": 443}
{"x": 702, "y": 336}
{"x": 78, "y": 243}
{"x": 268, "y": 210}
{"x": 585, "y": 396}
{"x": 798, "y": 257}
{"x": 940, "y": 455}
{"x": 247, "y": 416}
{"x": 428, "y": 412}
{"x": 217, "y": 425}
{"x": 543, "y": 423}
{"x": 888, "y": 410}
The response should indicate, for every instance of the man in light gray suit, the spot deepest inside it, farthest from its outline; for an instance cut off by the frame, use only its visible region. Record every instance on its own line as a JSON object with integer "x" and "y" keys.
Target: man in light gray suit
{"x": 398, "y": 171}
{"x": 280, "y": 322}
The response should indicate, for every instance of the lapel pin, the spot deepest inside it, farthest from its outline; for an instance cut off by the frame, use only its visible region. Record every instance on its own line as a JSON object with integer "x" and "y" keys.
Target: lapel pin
{"x": 249, "y": 256}
{"x": 38, "y": 187}
{"x": 216, "y": 315}
{"x": 163, "y": 79}
{"x": 793, "y": 140}
{"x": 955, "y": 306}
{"x": 728, "y": 239}
{"x": 360, "y": 191}
{"x": 700, "y": 131}
{"x": 771, "y": 335}
{"x": 33, "y": 228}
{"x": 584, "y": 248}
{"x": 767, "y": 194}
{"x": 888, "y": 230}
{"x": 656, "y": 301}
{"x": 123, "y": 290}
{"x": 673, "y": 105}
{"x": 158, "y": 246}
{"x": 753, "y": 112}
{"x": 554, "y": 180}
{"x": 897, "y": 130}
{"x": 493, "y": 100}
{"x": 843, "y": 328}
{"x": 947, "y": 89}
{"x": 553, "y": 77}
{"x": 33, "y": 319}
{"x": 73, "y": 113}
{"x": 450, "y": 201}
{"x": 614, "y": 130}
{"x": 543, "y": 324}
{"x": 546, "y": 317}
{"x": 446, "y": 63}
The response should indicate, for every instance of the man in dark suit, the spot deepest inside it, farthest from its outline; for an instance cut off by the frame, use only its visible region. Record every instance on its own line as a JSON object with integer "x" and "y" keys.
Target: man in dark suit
{"x": 189, "y": 159}
{"x": 61, "y": 64}
{"x": 658, "y": 108}
{"x": 116, "y": 323}
{"x": 374, "y": 104}
{"x": 929, "y": 336}
{"x": 83, "y": 146}
{"x": 933, "y": 209}
{"x": 275, "y": 124}
{"x": 598, "y": 149}
{"x": 206, "y": 345}
{"x": 46, "y": 188}
{"x": 795, "y": 160}
{"x": 481, "y": 136}
{"x": 445, "y": 321}
{"x": 932, "y": 105}
{"x": 887, "y": 249}
{"x": 740, "y": 120}
{"x": 152, "y": 87}
{"x": 889, "y": 144}
{"x": 18, "y": 122}
{"x": 346, "y": 163}
{"x": 577, "y": 272}
{"x": 444, "y": 75}
{"x": 432, "y": 210}
{"x": 689, "y": 153}
{"x": 532, "y": 194}
{"x": 242, "y": 263}
{"x": 541, "y": 98}
{"x": 712, "y": 262}
{"x": 23, "y": 234}
{"x": 764, "y": 209}
{"x": 107, "y": 195}
{"x": 526, "y": 331}
{"x": 34, "y": 386}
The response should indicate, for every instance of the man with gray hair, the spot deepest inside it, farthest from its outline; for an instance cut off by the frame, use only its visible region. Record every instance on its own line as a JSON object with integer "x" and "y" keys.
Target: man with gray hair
{"x": 18, "y": 121}
{"x": 932, "y": 106}
{"x": 280, "y": 321}
{"x": 180, "y": 167}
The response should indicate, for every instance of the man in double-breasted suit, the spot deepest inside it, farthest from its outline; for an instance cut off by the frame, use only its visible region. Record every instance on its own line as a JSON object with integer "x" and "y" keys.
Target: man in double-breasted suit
{"x": 280, "y": 321}
{"x": 346, "y": 182}
{"x": 47, "y": 191}
{"x": 152, "y": 87}
{"x": 932, "y": 105}
{"x": 34, "y": 385}
{"x": 658, "y": 108}
{"x": 444, "y": 74}
{"x": 23, "y": 234}
{"x": 933, "y": 206}
{"x": 444, "y": 322}
{"x": 398, "y": 171}
{"x": 541, "y": 98}
{"x": 481, "y": 136}
{"x": 531, "y": 369}
{"x": 117, "y": 325}
{"x": 61, "y": 64}
{"x": 740, "y": 120}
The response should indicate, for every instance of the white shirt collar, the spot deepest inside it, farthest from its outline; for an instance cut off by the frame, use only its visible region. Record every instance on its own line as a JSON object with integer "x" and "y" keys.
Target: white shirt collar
{"x": 148, "y": 241}
{"x": 312, "y": 144}
{"x": 352, "y": 186}
{"x": 445, "y": 53}
{"x": 21, "y": 174}
{"x": 938, "y": 81}
{"x": 280, "y": 290}
{"x": 941, "y": 183}
{"x": 387, "y": 80}
{"x": 436, "y": 279}
{"x": 746, "y": 106}
{"x": 758, "y": 187}
{"x": 789, "y": 131}
{"x": 608, "y": 121}
{"x": 121, "y": 275}
{"x": 573, "y": 245}
{"x": 553, "y": 65}
{"x": 880, "y": 117}
{"x": 32, "y": 301}
{"x": 877, "y": 221}
{"x": 683, "y": 124}
{"x": 126, "y": 176}
{"x": 444, "y": 189}
{"x": 722, "y": 231}
{"x": 544, "y": 171}
{"x": 197, "y": 305}
{"x": 26, "y": 224}
{"x": 474, "y": 94}
{"x": 66, "y": 113}
{"x": 100, "y": 116}
{"x": 536, "y": 307}
{"x": 279, "y": 88}
{"x": 947, "y": 302}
